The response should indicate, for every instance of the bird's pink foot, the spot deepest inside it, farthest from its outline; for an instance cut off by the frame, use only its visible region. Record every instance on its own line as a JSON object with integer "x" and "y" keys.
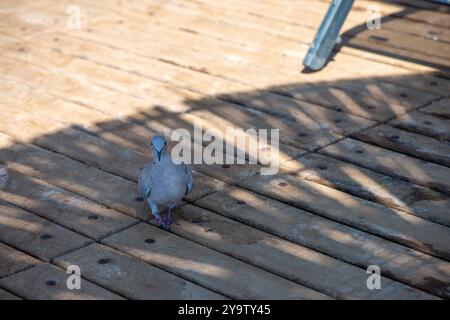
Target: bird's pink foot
{"x": 168, "y": 221}
{"x": 159, "y": 221}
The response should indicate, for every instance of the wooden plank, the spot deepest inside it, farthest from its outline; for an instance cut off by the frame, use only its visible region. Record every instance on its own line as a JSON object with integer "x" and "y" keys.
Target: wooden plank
{"x": 398, "y": 226}
{"x": 440, "y": 108}
{"x": 359, "y": 9}
{"x": 127, "y": 132}
{"x": 309, "y": 14}
{"x": 344, "y": 101}
{"x": 200, "y": 9}
{"x": 34, "y": 235}
{"x": 71, "y": 175}
{"x": 168, "y": 120}
{"x": 436, "y": 127}
{"x": 92, "y": 16}
{"x": 74, "y": 176}
{"x": 184, "y": 51}
{"x": 357, "y": 31}
{"x": 5, "y": 295}
{"x": 307, "y": 134}
{"x": 368, "y": 69}
{"x": 241, "y": 72}
{"x": 392, "y": 94}
{"x": 27, "y": 97}
{"x": 423, "y": 4}
{"x": 130, "y": 277}
{"x": 297, "y": 110}
{"x": 410, "y": 97}
{"x": 122, "y": 192}
{"x": 13, "y": 261}
{"x": 383, "y": 38}
{"x": 391, "y": 163}
{"x": 199, "y": 23}
{"x": 291, "y": 109}
{"x": 331, "y": 238}
{"x": 432, "y": 17}
{"x": 295, "y": 27}
{"x": 272, "y": 65}
{"x": 6, "y": 39}
{"x": 93, "y": 151}
{"x": 186, "y": 57}
{"x": 3, "y": 177}
{"x": 373, "y": 186}
{"x": 204, "y": 266}
{"x": 64, "y": 207}
{"x": 289, "y": 260}
{"x": 47, "y": 282}
{"x": 407, "y": 143}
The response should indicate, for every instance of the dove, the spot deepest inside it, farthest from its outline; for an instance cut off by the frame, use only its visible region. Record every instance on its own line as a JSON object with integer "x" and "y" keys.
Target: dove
{"x": 162, "y": 183}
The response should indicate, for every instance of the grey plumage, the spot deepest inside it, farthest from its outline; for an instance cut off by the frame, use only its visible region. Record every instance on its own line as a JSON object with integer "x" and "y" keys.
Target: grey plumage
{"x": 162, "y": 183}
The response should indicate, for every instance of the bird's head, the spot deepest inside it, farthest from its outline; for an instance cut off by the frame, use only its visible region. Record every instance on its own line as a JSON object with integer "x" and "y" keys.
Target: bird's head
{"x": 158, "y": 146}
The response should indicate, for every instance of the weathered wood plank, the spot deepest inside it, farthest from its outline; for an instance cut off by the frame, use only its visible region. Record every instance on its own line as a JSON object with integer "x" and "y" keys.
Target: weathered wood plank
{"x": 278, "y": 67}
{"x": 436, "y": 127}
{"x": 373, "y": 186}
{"x": 105, "y": 119}
{"x": 264, "y": 101}
{"x": 47, "y": 282}
{"x": 306, "y": 134}
{"x": 71, "y": 175}
{"x": 92, "y": 15}
{"x": 210, "y": 26}
{"x": 12, "y": 261}
{"x": 281, "y": 257}
{"x": 164, "y": 119}
{"x": 94, "y": 184}
{"x": 296, "y": 110}
{"x": 440, "y": 108}
{"x": 131, "y": 132}
{"x": 192, "y": 58}
{"x": 407, "y": 143}
{"x": 408, "y": 97}
{"x": 331, "y": 238}
{"x": 391, "y": 163}
{"x": 394, "y": 100}
{"x": 63, "y": 207}
{"x": 406, "y": 229}
{"x": 93, "y": 151}
{"x": 346, "y": 101}
{"x": 204, "y": 266}
{"x": 272, "y": 66}
{"x": 368, "y": 69}
{"x": 5, "y": 295}
{"x": 130, "y": 277}
{"x": 287, "y": 10}
{"x": 34, "y": 235}
{"x": 390, "y": 42}
{"x": 305, "y": 23}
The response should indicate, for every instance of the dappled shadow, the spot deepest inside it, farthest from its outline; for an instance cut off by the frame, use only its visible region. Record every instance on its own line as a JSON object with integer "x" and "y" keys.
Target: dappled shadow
{"x": 429, "y": 51}
{"x": 75, "y": 132}
{"x": 83, "y": 177}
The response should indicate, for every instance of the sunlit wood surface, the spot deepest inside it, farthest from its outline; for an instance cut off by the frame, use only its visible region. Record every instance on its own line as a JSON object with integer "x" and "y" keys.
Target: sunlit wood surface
{"x": 364, "y": 150}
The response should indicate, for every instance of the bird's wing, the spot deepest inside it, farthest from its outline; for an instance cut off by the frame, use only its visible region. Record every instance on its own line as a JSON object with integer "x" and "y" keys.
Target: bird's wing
{"x": 189, "y": 179}
{"x": 145, "y": 181}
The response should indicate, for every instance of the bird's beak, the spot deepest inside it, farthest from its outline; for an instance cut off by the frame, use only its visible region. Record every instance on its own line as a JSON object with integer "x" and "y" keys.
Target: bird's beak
{"x": 159, "y": 155}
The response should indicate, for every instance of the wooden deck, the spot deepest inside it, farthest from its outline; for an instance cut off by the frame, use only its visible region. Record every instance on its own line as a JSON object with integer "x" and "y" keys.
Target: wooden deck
{"x": 364, "y": 145}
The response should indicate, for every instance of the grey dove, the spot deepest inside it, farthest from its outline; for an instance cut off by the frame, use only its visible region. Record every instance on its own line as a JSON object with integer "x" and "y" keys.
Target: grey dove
{"x": 162, "y": 183}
